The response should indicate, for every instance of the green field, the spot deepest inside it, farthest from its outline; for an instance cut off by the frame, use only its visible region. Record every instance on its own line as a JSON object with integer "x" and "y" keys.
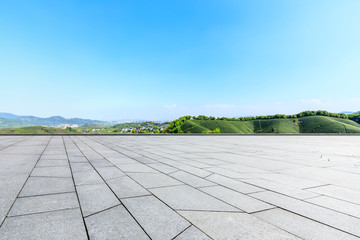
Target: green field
{"x": 311, "y": 124}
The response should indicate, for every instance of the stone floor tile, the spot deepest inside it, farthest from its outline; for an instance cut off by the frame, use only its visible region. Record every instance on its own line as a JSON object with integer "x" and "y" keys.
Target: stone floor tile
{"x": 187, "y": 198}
{"x": 52, "y": 163}
{"x": 337, "y": 205}
{"x": 300, "y": 226}
{"x": 234, "y": 184}
{"x": 108, "y": 173}
{"x": 222, "y": 225}
{"x": 58, "y": 225}
{"x": 281, "y": 188}
{"x": 47, "y": 185}
{"x": 138, "y": 167}
{"x": 45, "y": 203}
{"x": 323, "y": 215}
{"x": 125, "y": 187}
{"x": 338, "y": 192}
{"x": 121, "y": 160}
{"x": 163, "y": 168}
{"x": 96, "y": 198}
{"x": 61, "y": 171}
{"x": 151, "y": 180}
{"x": 87, "y": 177}
{"x": 157, "y": 219}
{"x": 191, "y": 180}
{"x": 236, "y": 199}
{"x": 194, "y": 170}
{"x": 192, "y": 233}
{"x": 114, "y": 223}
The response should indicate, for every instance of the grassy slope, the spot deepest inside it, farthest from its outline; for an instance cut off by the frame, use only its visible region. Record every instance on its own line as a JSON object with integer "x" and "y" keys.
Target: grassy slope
{"x": 35, "y": 130}
{"x": 313, "y": 124}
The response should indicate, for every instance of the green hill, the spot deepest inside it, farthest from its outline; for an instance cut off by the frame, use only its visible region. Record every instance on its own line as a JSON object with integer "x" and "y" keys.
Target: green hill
{"x": 269, "y": 124}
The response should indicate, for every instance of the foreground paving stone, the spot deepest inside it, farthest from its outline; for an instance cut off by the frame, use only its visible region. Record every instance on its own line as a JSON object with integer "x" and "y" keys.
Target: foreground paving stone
{"x": 192, "y": 233}
{"x": 10, "y": 187}
{"x": 281, "y": 188}
{"x": 152, "y": 180}
{"x": 192, "y": 180}
{"x": 222, "y": 225}
{"x": 337, "y": 205}
{"x": 226, "y": 187}
{"x": 326, "y": 216}
{"x": 67, "y": 224}
{"x": 138, "y": 167}
{"x": 163, "y": 168}
{"x": 63, "y": 171}
{"x": 187, "y": 198}
{"x": 52, "y": 163}
{"x": 236, "y": 199}
{"x": 338, "y": 192}
{"x": 234, "y": 184}
{"x": 47, "y": 185}
{"x": 157, "y": 219}
{"x": 108, "y": 173}
{"x": 125, "y": 187}
{"x": 95, "y": 198}
{"x": 37, "y": 204}
{"x": 301, "y": 226}
{"x": 114, "y": 223}
{"x": 87, "y": 177}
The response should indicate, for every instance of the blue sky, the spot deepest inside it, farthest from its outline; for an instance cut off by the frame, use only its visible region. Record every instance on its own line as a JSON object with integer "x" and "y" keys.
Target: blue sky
{"x": 159, "y": 60}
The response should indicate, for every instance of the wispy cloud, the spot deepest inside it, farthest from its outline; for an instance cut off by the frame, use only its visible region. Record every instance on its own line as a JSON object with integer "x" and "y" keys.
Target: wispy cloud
{"x": 171, "y": 106}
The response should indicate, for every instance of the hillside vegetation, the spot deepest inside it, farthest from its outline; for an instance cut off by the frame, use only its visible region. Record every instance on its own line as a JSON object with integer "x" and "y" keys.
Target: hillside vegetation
{"x": 305, "y": 122}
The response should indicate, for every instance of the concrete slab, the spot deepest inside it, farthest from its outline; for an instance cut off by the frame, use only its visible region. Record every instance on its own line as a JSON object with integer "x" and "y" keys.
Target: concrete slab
{"x": 337, "y": 205}
{"x": 301, "y": 226}
{"x": 108, "y": 173}
{"x": 66, "y": 224}
{"x": 152, "y": 180}
{"x": 236, "y": 199}
{"x": 114, "y": 223}
{"x": 311, "y": 180}
{"x": 157, "y": 219}
{"x": 281, "y": 188}
{"x": 221, "y": 225}
{"x": 125, "y": 187}
{"x": 59, "y": 171}
{"x": 52, "y": 163}
{"x": 137, "y": 167}
{"x": 87, "y": 177}
{"x": 96, "y": 198}
{"x": 192, "y": 233}
{"x": 326, "y": 216}
{"x": 346, "y": 194}
{"x": 187, "y": 198}
{"x": 45, "y": 203}
{"x": 191, "y": 180}
{"x": 234, "y": 184}
{"x": 47, "y": 185}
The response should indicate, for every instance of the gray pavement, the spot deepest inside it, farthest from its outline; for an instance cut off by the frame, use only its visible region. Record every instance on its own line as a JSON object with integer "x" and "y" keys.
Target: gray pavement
{"x": 179, "y": 187}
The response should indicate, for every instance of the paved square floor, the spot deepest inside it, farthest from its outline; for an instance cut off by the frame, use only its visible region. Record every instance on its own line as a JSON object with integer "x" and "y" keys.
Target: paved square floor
{"x": 179, "y": 187}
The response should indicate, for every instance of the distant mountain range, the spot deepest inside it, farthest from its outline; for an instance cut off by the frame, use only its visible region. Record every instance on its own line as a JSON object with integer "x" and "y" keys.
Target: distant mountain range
{"x": 348, "y": 112}
{"x": 9, "y": 120}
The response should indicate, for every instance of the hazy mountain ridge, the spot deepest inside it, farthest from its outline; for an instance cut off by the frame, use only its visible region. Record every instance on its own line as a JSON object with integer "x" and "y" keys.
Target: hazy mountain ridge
{"x": 8, "y": 120}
